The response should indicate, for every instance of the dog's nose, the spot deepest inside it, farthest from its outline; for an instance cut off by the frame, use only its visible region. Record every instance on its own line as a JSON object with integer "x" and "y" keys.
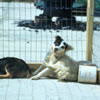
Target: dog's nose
{"x": 55, "y": 49}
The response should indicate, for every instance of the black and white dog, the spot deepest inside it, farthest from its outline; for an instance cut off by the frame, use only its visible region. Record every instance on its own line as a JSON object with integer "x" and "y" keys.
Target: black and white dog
{"x": 57, "y": 64}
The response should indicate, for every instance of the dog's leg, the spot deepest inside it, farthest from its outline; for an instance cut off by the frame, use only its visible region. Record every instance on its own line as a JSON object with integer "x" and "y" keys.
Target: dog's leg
{"x": 67, "y": 76}
{"x": 38, "y": 70}
{"x": 51, "y": 66}
{"x": 43, "y": 73}
{"x": 71, "y": 77}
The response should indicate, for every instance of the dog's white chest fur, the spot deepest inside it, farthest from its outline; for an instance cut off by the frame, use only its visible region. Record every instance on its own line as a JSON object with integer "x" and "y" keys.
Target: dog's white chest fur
{"x": 63, "y": 61}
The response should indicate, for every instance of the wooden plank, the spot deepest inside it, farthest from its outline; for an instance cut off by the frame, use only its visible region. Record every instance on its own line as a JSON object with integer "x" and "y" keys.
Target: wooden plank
{"x": 39, "y": 90}
{"x": 74, "y": 91}
{"x": 63, "y": 91}
{"x": 26, "y": 90}
{"x": 3, "y": 89}
{"x": 89, "y": 36}
{"x": 52, "y": 92}
{"x": 34, "y": 65}
{"x": 12, "y": 90}
{"x": 47, "y": 89}
{"x": 86, "y": 92}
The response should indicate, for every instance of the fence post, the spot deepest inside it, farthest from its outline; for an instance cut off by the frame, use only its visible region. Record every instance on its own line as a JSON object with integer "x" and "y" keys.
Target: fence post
{"x": 89, "y": 29}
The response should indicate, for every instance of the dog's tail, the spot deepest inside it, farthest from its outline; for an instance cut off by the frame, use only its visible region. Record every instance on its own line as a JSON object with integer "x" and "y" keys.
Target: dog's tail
{"x": 7, "y": 75}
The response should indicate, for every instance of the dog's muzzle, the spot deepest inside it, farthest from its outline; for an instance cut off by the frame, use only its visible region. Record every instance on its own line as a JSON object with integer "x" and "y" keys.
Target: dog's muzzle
{"x": 56, "y": 49}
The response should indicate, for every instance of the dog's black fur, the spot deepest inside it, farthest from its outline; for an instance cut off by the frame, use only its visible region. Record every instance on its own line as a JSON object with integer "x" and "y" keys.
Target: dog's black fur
{"x": 11, "y": 67}
{"x": 58, "y": 41}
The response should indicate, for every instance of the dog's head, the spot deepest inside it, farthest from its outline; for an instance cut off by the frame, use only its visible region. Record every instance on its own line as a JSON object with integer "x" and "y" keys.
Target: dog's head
{"x": 59, "y": 47}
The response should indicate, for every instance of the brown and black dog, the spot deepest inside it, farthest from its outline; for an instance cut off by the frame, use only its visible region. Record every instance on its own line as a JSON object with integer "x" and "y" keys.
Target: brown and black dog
{"x": 11, "y": 67}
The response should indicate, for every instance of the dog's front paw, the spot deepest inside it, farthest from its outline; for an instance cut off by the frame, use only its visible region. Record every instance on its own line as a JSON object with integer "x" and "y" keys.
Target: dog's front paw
{"x": 62, "y": 73}
{"x": 62, "y": 76}
{"x": 44, "y": 63}
{"x": 51, "y": 66}
{"x": 35, "y": 77}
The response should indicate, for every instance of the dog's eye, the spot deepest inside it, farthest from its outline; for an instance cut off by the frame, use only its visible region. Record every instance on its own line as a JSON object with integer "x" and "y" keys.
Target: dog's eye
{"x": 62, "y": 47}
{"x": 66, "y": 45}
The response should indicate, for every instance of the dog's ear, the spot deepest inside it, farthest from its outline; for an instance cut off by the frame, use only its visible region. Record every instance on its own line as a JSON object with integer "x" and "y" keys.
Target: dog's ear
{"x": 57, "y": 37}
{"x": 69, "y": 47}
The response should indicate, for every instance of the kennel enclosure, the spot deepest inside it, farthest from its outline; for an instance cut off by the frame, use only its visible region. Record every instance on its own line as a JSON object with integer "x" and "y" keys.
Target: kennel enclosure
{"x": 33, "y": 44}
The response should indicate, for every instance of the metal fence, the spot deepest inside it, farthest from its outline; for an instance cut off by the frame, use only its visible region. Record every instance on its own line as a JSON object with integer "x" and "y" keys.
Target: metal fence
{"x": 96, "y": 34}
{"x": 20, "y": 37}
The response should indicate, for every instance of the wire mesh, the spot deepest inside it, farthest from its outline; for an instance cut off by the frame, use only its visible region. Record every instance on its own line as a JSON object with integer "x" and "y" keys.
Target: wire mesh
{"x": 96, "y": 35}
{"x": 32, "y": 42}
{"x": 96, "y": 44}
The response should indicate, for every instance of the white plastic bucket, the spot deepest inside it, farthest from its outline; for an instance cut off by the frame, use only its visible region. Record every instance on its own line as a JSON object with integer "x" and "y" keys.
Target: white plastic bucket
{"x": 87, "y": 74}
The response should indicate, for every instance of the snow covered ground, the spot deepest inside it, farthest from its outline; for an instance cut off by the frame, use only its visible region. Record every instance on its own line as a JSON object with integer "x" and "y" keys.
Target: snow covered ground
{"x": 30, "y": 44}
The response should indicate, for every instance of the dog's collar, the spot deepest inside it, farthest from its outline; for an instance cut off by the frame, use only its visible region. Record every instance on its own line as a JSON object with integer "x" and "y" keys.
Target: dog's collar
{"x": 58, "y": 57}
